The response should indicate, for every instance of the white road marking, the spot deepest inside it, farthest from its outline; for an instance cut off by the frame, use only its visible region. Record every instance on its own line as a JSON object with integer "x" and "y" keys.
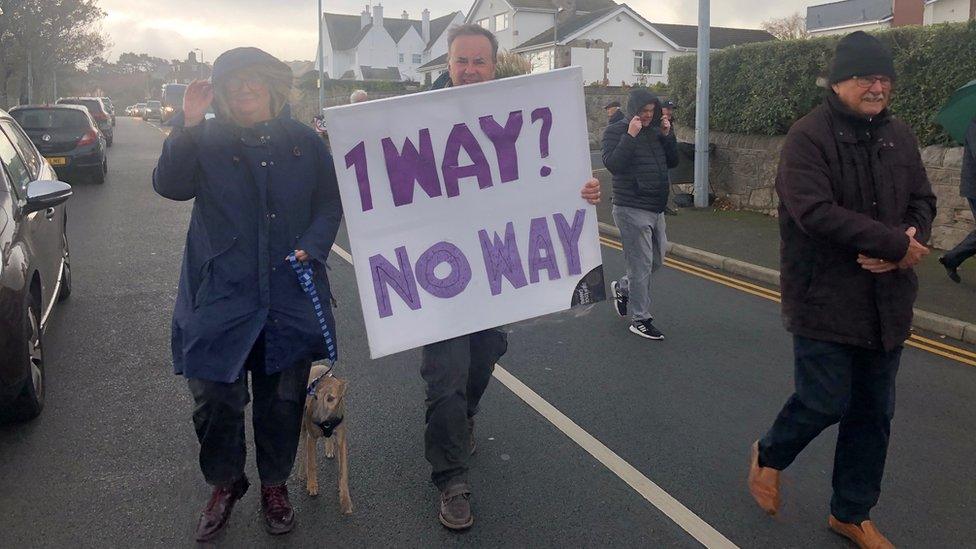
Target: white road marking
{"x": 648, "y": 489}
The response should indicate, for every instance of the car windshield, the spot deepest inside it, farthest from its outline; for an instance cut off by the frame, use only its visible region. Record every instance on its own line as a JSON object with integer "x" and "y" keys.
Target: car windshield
{"x": 51, "y": 119}
{"x": 173, "y": 95}
{"x": 140, "y": 105}
{"x": 94, "y": 106}
{"x": 153, "y": 104}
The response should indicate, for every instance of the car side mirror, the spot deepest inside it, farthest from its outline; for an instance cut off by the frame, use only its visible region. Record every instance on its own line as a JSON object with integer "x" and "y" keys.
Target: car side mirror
{"x": 42, "y": 195}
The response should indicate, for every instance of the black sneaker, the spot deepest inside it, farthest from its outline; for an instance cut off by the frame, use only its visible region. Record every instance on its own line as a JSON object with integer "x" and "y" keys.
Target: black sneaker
{"x": 645, "y": 329}
{"x": 950, "y": 270}
{"x": 619, "y": 299}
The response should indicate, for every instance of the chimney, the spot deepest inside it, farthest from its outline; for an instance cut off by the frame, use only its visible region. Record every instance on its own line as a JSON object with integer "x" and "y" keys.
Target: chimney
{"x": 404, "y": 15}
{"x": 364, "y": 20}
{"x": 425, "y": 25}
{"x": 378, "y": 15}
{"x": 907, "y": 12}
{"x": 566, "y": 9}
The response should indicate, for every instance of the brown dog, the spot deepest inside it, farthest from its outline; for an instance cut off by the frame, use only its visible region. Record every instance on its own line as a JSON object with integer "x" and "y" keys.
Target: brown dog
{"x": 324, "y": 417}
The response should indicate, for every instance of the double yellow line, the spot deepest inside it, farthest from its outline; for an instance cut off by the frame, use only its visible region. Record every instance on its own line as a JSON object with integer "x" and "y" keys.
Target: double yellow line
{"x": 951, "y": 352}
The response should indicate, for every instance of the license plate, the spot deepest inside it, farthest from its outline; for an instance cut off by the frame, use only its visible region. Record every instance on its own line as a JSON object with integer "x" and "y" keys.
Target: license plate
{"x": 57, "y": 160}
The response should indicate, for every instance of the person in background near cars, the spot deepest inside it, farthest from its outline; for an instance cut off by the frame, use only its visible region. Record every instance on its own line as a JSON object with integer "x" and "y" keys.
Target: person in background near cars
{"x": 855, "y": 207}
{"x": 638, "y": 153}
{"x": 614, "y": 114}
{"x": 457, "y": 371}
{"x": 265, "y": 192}
{"x": 358, "y": 96}
{"x": 967, "y": 188}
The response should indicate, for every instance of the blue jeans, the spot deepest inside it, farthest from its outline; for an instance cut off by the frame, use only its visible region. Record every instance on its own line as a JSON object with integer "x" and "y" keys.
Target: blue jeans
{"x": 846, "y": 384}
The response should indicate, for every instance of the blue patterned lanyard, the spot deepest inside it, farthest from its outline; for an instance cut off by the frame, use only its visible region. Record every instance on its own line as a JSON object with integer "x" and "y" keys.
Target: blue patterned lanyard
{"x": 304, "y": 272}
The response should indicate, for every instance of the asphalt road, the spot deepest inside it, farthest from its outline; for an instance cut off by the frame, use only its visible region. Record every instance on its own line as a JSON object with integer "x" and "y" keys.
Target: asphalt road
{"x": 112, "y": 460}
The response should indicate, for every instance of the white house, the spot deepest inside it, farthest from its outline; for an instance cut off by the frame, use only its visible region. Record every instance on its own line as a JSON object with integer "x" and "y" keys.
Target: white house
{"x": 373, "y": 47}
{"x": 948, "y": 11}
{"x": 871, "y": 15}
{"x": 616, "y": 45}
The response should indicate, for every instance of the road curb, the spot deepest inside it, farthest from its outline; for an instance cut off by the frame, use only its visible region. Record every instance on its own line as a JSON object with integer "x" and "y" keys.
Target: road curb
{"x": 924, "y": 320}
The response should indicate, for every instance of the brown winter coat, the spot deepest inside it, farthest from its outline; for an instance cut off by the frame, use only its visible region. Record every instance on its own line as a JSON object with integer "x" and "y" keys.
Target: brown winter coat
{"x": 846, "y": 186}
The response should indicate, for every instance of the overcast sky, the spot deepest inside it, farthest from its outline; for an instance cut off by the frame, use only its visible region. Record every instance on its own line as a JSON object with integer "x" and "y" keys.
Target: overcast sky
{"x": 287, "y": 28}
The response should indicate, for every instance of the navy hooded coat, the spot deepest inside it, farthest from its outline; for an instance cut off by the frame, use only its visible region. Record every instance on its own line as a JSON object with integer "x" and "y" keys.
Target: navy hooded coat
{"x": 259, "y": 194}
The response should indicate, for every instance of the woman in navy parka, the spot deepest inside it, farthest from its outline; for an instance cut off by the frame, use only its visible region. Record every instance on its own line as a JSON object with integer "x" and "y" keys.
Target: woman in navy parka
{"x": 263, "y": 187}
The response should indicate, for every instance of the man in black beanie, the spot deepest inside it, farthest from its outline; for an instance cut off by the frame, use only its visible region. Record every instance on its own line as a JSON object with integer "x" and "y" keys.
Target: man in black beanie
{"x": 855, "y": 207}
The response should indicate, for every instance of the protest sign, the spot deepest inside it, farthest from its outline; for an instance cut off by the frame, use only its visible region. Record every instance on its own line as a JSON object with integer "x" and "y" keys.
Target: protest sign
{"x": 463, "y": 207}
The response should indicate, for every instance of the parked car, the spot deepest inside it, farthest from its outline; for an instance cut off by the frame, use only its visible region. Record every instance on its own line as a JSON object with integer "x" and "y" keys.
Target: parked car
{"x": 67, "y": 136}
{"x": 153, "y": 111}
{"x": 111, "y": 108}
{"x": 97, "y": 110}
{"x": 36, "y": 271}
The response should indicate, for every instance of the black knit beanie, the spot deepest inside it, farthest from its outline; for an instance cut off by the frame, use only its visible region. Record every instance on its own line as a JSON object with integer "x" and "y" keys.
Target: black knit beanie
{"x": 860, "y": 54}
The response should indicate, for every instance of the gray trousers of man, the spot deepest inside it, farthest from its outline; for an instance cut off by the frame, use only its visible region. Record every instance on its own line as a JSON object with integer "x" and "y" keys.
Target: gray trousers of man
{"x": 643, "y": 234}
{"x": 457, "y": 372}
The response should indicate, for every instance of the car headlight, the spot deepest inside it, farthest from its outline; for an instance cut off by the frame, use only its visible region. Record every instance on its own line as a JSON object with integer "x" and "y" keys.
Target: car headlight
{"x": 168, "y": 109}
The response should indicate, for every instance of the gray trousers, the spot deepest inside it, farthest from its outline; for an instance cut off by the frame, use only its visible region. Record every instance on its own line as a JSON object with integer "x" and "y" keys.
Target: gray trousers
{"x": 643, "y": 235}
{"x": 457, "y": 372}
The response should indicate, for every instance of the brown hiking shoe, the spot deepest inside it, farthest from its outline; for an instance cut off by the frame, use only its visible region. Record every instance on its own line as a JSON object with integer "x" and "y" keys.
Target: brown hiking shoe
{"x": 214, "y": 516}
{"x": 279, "y": 517}
{"x": 455, "y": 512}
{"x": 763, "y": 483}
{"x": 865, "y": 535}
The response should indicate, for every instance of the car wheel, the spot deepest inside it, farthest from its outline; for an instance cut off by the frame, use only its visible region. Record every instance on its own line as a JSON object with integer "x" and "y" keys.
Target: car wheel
{"x": 31, "y": 400}
{"x": 65, "y": 291}
{"x": 98, "y": 174}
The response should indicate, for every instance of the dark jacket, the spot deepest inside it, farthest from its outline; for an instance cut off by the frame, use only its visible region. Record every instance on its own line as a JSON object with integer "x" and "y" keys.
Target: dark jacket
{"x": 847, "y": 186}
{"x": 967, "y": 183}
{"x": 640, "y": 164}
{"x": 616, "y": 117}
{"x": 259, "y": 194}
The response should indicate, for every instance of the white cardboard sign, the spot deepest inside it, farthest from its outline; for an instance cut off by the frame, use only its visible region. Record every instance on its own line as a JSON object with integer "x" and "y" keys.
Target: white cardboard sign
{"x": 463, "y": 207}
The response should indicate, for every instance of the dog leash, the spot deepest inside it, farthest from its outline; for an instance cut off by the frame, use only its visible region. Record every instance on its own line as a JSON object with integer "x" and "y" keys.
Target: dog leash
{"x": 304, "y": 271}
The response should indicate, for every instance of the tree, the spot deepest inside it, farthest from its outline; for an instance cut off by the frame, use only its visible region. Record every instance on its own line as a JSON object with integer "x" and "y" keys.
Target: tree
{"x": 791, "y": 27}
{"x": 511, "y": 64}
{"x": 55, "y": 34}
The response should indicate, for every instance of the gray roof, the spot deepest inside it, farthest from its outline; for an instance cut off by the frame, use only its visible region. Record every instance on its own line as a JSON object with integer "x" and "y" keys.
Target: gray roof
{"x": 566, "y": 28}
{"x": 389, "y": 73}
{"x": 433, "y": 64}
{"x": 345, "y": 32}
{"x": 581, "y": 5}
{"x": 848, "y": 12}
{"x": 685, "y": 36}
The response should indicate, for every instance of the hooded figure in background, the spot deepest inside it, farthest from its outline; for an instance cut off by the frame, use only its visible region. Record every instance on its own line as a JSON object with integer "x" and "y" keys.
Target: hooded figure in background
{"x": 264, "y": 188}
{"x": 639, "y": 151}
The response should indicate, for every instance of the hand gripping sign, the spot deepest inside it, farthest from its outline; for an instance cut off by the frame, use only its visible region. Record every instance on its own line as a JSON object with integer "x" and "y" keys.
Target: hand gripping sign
{"x": 463, "y": 207}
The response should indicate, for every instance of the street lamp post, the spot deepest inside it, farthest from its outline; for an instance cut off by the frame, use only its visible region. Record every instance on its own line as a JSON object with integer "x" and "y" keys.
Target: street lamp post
{"x": 701, "y": 107}
{"x": 321, "y": 56}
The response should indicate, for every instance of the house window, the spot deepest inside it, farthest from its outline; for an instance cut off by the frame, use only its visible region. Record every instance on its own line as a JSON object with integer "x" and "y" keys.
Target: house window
{"x": 417, "y": 59}
{"x": 541, "y": 61}
{"x": 485, "y": 23}
{"x": 501, "y": 22}
{"x": 649, "y": 62}
{"x": 401, "y": 58}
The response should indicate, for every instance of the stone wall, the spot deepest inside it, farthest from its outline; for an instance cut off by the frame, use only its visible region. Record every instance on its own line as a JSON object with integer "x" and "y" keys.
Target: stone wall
{"x": 743, "y": 170}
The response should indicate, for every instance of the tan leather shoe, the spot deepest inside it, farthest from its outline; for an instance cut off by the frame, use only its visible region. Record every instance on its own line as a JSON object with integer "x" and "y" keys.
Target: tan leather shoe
{"x": 763, "y": 483}
{"x": 865, "y": 535}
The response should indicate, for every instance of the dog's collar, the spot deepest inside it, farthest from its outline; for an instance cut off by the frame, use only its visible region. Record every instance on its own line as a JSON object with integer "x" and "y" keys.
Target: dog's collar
{"x": 329, "y": 425}
{"x": 310, "y": 390}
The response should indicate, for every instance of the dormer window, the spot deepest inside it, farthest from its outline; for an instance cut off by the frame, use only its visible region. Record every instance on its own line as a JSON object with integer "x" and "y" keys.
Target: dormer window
{"x": 501, "y": 22}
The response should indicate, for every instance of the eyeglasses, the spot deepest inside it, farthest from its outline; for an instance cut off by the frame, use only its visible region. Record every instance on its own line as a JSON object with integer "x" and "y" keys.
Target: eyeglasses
{"x": 237, "y": 83}
{"x": 868, "y": 81}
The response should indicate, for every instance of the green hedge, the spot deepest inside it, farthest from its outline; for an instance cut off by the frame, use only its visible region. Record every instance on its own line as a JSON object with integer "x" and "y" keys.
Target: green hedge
{"x": 764, "y": 88}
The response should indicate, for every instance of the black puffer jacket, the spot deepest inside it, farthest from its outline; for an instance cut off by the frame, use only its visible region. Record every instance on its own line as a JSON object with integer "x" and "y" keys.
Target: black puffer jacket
{"x": 640, "y": 164}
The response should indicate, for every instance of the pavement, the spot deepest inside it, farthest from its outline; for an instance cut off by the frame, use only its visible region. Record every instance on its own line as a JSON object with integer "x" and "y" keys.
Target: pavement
{"x": 588, "y": 437}
{"x": 753, "y": 238}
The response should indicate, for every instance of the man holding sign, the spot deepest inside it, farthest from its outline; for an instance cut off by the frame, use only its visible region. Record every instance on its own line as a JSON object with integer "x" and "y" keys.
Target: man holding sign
{"x": 457, "y": 371}
{"x": 464, "y": 213}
